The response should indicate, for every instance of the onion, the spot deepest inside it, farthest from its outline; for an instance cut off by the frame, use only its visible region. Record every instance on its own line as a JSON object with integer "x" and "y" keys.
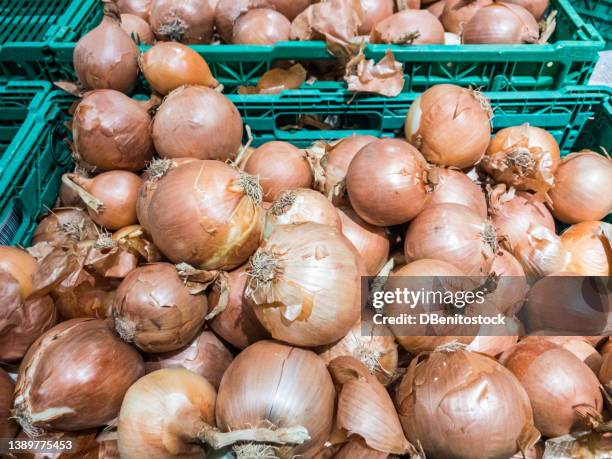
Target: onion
{"x": 357, "y": 449}
{"x": 455, "y": 234}
{"x": 168, "y": 66}
{"x": 492, "y": 345}
{"x": 409, "y": 27}
{"x": 189, "y": 122}
{"x": 110, "y": 197}
{"x": 261, "y": 26}
{"x": 437, "y": 8}
{"x": 577, "y": 345}
{"x": 266, "y": 373}
{"x": 396, "y": 170}
{"x": 450, "y": 125}
{"x": 65, "y": 226}
{"x": 206, "y": 356}
{"x": 503, "y": 23}
{"x": 8, "y": 428}
{"x": 154, "y": 309}
{"x": 557, "y": 383}
{"x": 112, "y": 131}
{"x": 300, "y": 206}
{"x": 280, "y": 166}
{"x": 139, "y": 8}
{"x": 305, "y": 284}
{"x": 69, "y": 198}
{"x": 524, "y": 157}
{"x": 373, "y": 12}
{"x": 457, "y": 13}
{"x": 589, "y": 248}
{"x": 512, "y": 287}
{"x": 187, "y": 21}
{"x": 20, "y": 265}
{"x": 107, "y": 58}
{"x": 605, "y": 372}
{"x": 332, "y": 20}
{"x": 582, "y": 188}
{"x": 74, "y": 377}
{"x": 451, "y": 186}
{"x": 537, "y": 8}
{"x": 85, "y": 294}
{"x": 137, "y": 28}
{"x": 458, "y": 403}
{"x": 207, "y": 214}
{"x": 372, "y": 242}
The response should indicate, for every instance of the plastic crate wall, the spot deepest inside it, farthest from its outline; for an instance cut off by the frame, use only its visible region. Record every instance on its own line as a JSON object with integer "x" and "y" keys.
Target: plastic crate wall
{"x": 599, "y": 14}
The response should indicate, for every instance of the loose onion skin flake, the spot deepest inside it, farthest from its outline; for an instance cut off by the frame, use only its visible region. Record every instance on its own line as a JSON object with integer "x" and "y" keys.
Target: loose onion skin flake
{"x": 187, "y": 21}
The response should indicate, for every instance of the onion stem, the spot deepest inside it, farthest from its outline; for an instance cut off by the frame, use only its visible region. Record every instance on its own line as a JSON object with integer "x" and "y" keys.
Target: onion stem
{"x": 90, "y": 200}
{"x": 290, "y": 435}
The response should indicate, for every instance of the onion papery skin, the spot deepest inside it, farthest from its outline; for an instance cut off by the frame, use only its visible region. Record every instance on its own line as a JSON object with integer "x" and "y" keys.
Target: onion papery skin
{"x": 397, "y": 171}
{"x": 291, "y": 264}
{"x": 280, "y": 166}
{"x": 137, "y": 28}
{"x": 590, "y": 253}
{"x": 267, "y": 372}
{"x": 492, "y": 345}
{"x": 168, "y": 66}
{"x": 454, "y": 187}
{"x": 437, "y": 8}
{"x": 300, "y": 206}
{"x": 107, "y": 58}
{"x": 187, "y": 21}
{"x": 582, "y": 188}
{"x": 372, "y": 12}
{"x": 261, "y": 26}
{"x": 162, "y": 414}
{"x": 450, "y": 125}
{"x": 556, "y": 382}
{"x": 336, "y": 163}
{"x": 455, "y": 234}
{"x": 20, "y": 265}
{"x": 237, "y": 323}
{"x": 154, "y": 309}
{"x": 577, "y": 345}
{"x": 188, "y": 123}
{"x": 140, "y": 8}
{"x": 372, "y": 242}
{"x": 457, "y": 13}
{"x": 112, "y": 131}
{"x": 336, "y": 20}
{"x": 206, "y": 356}
{"x": 605, "y": 372}
{"x": 501, "y": 23}
{"x": 206, "y": 195}
{"x": 8, "y": 428}
{"x": 412, "y": 27}
{"x": 92, "y": 296}
{"x": 461, "y": 404}
{"x": 65, "y": 226}
{"x": 512, "y": 287}
{"x": 357, "y": 449}
{"x": 536, "y": 8}
{"x": 74, "y": 377}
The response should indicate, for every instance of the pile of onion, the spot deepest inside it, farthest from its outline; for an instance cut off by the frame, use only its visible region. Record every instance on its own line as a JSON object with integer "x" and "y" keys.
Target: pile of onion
{"x": 397, "y": 171}
{"x": 501, "y": 23}
{"x": 64, "y": 226}
{"x": 458, "y": 403}
{"x": 305, "y": 284}
{"x": 187, "y": 21}
{"x": 74, "y": 377}
{"x": 207, "y": 214}
{"x": 451, "y": 186}
{"x": 8, "y": 428}
{"x": 582, "y": 188}
{"x": 137, "y": 28}
{"x": 261, "y": 26}
{"x": 409, "y": 27}
{"x": 589, "y": 247}
{"x": 450, "y": 125}
{"x": 564, "y": 392}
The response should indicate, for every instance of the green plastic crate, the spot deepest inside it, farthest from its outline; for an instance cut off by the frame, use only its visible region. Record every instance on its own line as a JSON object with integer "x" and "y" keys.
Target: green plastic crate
{"x": 599, "y": 14}
{"x": 27, "y": 27}
{"x": 33, "y": 156}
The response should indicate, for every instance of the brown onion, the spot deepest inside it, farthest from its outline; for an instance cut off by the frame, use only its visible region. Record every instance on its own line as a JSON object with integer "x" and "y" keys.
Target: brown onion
{"x": 280, "y": 166}
{"x": 492, "y": 345}
{"x": 512, "y": 287}
{"x": 335, "y": 20}
{"x": 20, "y": 265}
{"x": 437, "y": 8}
{"x": 590, "y": 252}
{"x": 557, "y": 383}
{"x": 409, "y": 27}
{"x": 451, "y": 186}
{"x": 137, "y": 28}
{"x": 266, "y": 373}
{"x": 457, "y": 13}
{"x": 582, "y": 188}
{"x": 261, "y": 26}
{"x": 237, "y": 323}
{"x": 536, "y": 7}
{"x": 605, "y": 372}
{"x": 305, "y": 284}
{"x": 187, "y": 21}
{"x": 8, "y": 428}
{"x": 577, "y": 345}
{"x": 372, "y": 242}
{"x": 64, "y": 226}
{"x": 524, "y": 157}
{"x": 189, "y": 122}
{"x": 107, "y": 58}
{"x": 373, "y": 12}
{"x": 85, "y": 294}
{"x": 300, "y": 206}
{"x": 112, "y": 131}
{"x": 74, "y": 377}
{"x": 207, "y": 214}
{"x": 501, "y": 23}
{"x": 396, "y": 170}
{"x": 168, "y": 65}
{"x": 455, "y": 234}
{"x": 206, "y": 356}
{"x": 450, "y": 125}
{"x": 140, "y": 8}
{"x": 457, "y": 403}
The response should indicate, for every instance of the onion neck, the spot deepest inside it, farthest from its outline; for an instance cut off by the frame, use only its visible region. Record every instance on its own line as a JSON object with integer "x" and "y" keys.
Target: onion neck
{"x": 264, "y": 268}
{"x": 489, "y": 236}
{"x": 283, "y": 203}
{"x": 78, "y": 184}
{"x": 521, "y": 159}
{"x": 283, "y": 436}
{"x": 249, "y": 184}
